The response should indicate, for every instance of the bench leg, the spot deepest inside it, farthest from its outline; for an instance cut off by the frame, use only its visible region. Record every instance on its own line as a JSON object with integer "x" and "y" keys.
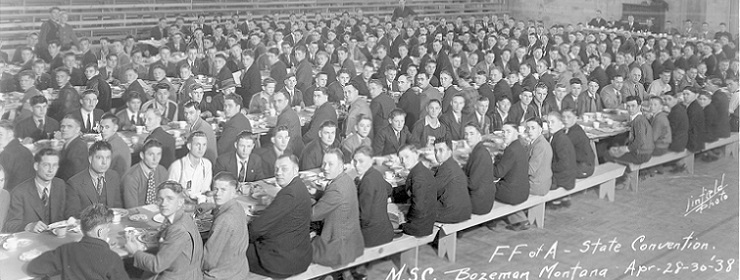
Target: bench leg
{"x": 536, "y": 215}
{"x": 688, "y": 162}
{"x": 732, "y": 149}
{"x": 447, "y": 245}
{"x": 406, "y": 260}
{"x": 633, "y": 179}
{"x": 607, "y": 190}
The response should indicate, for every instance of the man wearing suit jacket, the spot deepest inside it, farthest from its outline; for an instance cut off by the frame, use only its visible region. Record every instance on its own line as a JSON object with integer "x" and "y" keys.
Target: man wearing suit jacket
{"x": 392, "y": 138}
{"x": 303, "y": 72}
{"x": 512, "y": 171}
{"x": 585, "y": 158}
{"x": 640, "y": 145}
{"x": 564, "y": 168}
{"x": 278, "y": 146}
{"x": 251, "y": 79}
{"x": 357, "y": 106}
{"x": 279, "y": 244}
{"x": 130, "y": 117}
{"x": 611, "y": 95}
{"x": 97, "y": 184}
{"x": 481, "y": 182}
{"x": 120, "y": 160}
{"x": 452, "y": 198}
{"x": 73, "y": 157}
{"x": 560, "y": 99}
{"x": 38, "y": 126}
{"x": 162, "y": 103}
{"x": 245, "y": 164}
{"x": 14, "y": 157}
{"x": 160, "y": 30}
{"x": 140, "y": 182}
{"x": 224, "y": 254}
{"x": 340, "y": 241}
{"x": 153, "y": 121}
{"x": 295, "y": 95}
{"x": 522, "y": 110}
{"x": 455, "y": 120}
{"x": 589, "y": 100}
{"x": 479, "y": 117}
{"x": 237, "y": 123}
{"x": 381, "y": 105}
{"x": 89, "y": 258}
{"x": 88, "y": 115}
{"x": 697, "y": 127}
{"x": 180, "y": 254}
{"x": 373, "y": 192}
{"x": 68, "y": 99}
{"x": 192, "y": 114}
{"x": 196, "y": 65}
{"x": 313, "y": 155}
{"x": 501, "y": 115}
{"x": 679, "y": 122}
{"x": 101, "y": 87}
{"x": 40, "y": 200}
{"x": 423, "y": 188}
{"x": 324, "y": 112}
{"x": 278, "y": 69}
{"x": 289, "y": 118}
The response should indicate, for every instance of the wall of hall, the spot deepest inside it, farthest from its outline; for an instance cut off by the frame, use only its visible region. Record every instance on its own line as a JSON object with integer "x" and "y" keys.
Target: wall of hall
{"x": 574, "y": 11}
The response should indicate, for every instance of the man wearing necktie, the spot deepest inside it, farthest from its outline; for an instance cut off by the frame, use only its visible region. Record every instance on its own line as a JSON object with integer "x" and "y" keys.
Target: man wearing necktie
{"x": 38, "y": 126}
{"x": 243, "y": 162}
{"x": 96, "y": 184}
{"x": 88, "y": 115}
{"x": 130, "y": 116}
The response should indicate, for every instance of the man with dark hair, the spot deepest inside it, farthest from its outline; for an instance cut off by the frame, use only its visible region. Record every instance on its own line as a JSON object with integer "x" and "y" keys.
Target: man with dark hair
{"x": 88, "y": 115}
{"x": 289, "y": 118}
{"x": 153, "y": 124}
{"x": 96, "y": 83}
{"x": 423, "y": 193}
{"x": 279, "y": 239}
{"x": 564, "y": 168}
{"x": 38, "y": 126}
{"x": 373, "y": 192}
{"x": 130, "y": 117}
{"x": 639, "y": 146}
{"x": 303, "y": 70}
{"x": 90, "y": 258}
{"x": 324, "y": 112}
{"x": 697, "y": 126}
{"x": 236, "y": 123}
{"x": 42, "y": 192}
{"x": 97, "y": 184}
{"x": 278, "y": 147}
{"x": 244, "y": 163}
{"x": 250, "y": 78}
{"x": 455, "y": 119}
{"x": 16, "y": 160}
{"x": 392, "y": 138}
{"x": 381, "y": 105}
{"x": 481, "y": 182}
{"x": 320, "y": 80}
{"x": 180, "y": 254}
{"x": 141, "y": 180}
{"x": 585, "y": 159}
{"x": 611, "y": 95}
{"x": 162, "y": 103}
{"x": 224, "y": 254}
{"x": 512, "y": 171}
{"x": 312, "y": 156}
{"x": 192, "y": 116}
{"x": 453, "y": 201}
{"x": 72, "y": 157}
{"x": 68, "y": 99}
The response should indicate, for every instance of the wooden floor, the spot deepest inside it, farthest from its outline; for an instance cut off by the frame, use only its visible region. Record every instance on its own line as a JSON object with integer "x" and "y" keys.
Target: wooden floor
{"x": 657, "y": 212}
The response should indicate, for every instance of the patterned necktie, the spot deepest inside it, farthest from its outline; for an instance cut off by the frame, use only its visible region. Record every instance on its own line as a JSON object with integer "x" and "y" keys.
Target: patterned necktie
{"x": 45, "y": 197}
{"x": 150, "y": 189}
{"x": 243, "y": 172}
{"x": 101, "y": 183}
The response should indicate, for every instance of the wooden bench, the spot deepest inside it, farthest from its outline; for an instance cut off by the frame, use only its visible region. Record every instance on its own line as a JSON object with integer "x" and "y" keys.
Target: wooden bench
{"x": 605, "y": 176}
{"x": 406, "y": 245}
{"x": 729, "y": 143}
{"x": 633, "y": 172}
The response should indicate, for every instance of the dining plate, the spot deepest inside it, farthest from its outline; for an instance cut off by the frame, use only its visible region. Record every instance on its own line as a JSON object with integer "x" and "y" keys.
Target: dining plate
{"x": 159, "y": 218}
{"x": 148, "y": 237}
{"x": 138, "y": 217}
{"x": 120, "y": 212}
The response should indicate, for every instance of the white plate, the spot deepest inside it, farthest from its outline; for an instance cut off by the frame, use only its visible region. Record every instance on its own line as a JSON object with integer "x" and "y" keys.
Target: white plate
{"x": 138, "y": 217}
{"x": 120, "y": 212}
{"x": 159, "y": 218}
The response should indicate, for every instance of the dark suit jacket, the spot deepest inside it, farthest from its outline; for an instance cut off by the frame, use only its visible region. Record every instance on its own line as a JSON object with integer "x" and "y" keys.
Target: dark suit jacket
{"x": 26, "y": 205}
{"x": 81, "y": 192}
{"x": 600, "y": 74}
{"x": 134, "y": 184}
{"x": 484, "y": 126}
{"x": 456, "y": 129}
{"x": 373, "y": 192}
{"x": 197, "y": 67}
{"x": 125, "y": 123}
{"x": 269, "y": 156}
{"x": 135, "y": 87}
{"x": 501, "y": 89}
{"x": 168, "y": 145}
{"x": 335, "y": 91}
{"x": 68, "y": 101}
{"x": 73, "y": 159}
{"x": 105, "y": 98}
{"x": 304, "y": 75}
{"x": 278, "y": 71}
{"x": 97, "y": 114}
{"x": 453, "y": 199}
{"x": 251, "y": 83}
{"x": 566, "y": 103}
{"x": 232, "y": 128}
{"x": 512, "y": 168}
{"x": 289, "y": 118}
{"x": 157, "y": 33}
{"x": 325, "y": 112}
{"x": 529, "y": 82}
{"x": 697, "y": 127}
{"x": 27, "y": 128}
{"x": 90, "y": 258}
{"x": 517, "y": 115}
{"x": 313, "y": 155}
{"x": 486, "y": 90}
{"x": 279, "y": 237}
{"x": 423, "y": 209}
{"x": 229, "y": 162}
{"x": 585, "y": 159}
{"x": 381, "y": 107}
{"x": 564, "y": 169}
{"x": 17, "y": 161}
{"x": 386, "y": 143}
{"x": 481, "y": 182}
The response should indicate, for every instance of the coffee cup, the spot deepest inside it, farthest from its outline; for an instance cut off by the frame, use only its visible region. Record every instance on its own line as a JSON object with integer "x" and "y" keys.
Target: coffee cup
{"x": 10, "y": 244}
{"x": 182, "y": 124}
{"x": 596, "y": 124}
{"x": 62, "y": 231}
{"x": 140, "y": 129}
{"x": 116, "y": 217}
{"x": 389, "y": 175}
{"x": 176, "y": 134}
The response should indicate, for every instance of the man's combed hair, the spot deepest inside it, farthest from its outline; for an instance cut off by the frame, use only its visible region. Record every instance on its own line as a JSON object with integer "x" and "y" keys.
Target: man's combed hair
{"x": 95, "y": 215}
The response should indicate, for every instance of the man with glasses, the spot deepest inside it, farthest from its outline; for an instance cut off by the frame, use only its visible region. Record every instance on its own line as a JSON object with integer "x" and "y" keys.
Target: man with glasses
{"x": 88, "y": 115}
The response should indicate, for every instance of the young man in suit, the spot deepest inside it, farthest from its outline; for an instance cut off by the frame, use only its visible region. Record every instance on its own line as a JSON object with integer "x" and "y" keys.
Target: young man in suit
{"x": 278, "y": 147}
{"x": 100, "y": 86}
{"x": 121, "y": 155}
{"x": 324, "y": 112}
{"x": 244, "y": 163}
{"x": 381, "y": 105}
{"x": 639, "y": 147}
{"x": 153, "y": 123}
{"x": 585, "y": 158}
{"x": 278, "y": 69}
{"x": 181, "y": 248}
{"x": 289, "y": 118}
{"x": 236, "y": 123}
{"x": 130, "y": 117}
{"x": 89, "y": 258}
{"x": 73, "y": 157}
{"x": 454, "y": 119}
{"x": 224, "y": 254}
{"x": 38, "y": 201}
{"x": 373, "y": 192}
{"x": 697, "y": 125}
{"x": 340, "y": 241}
{"x": 97, "y": 184}
{"x": 312, "y": 156}
{"x": 481, "y": 182}
{"x": 162, "y": 103}
{"x": 279, "y": 238}
{"x": 523, "y": 109}
{"x": 512, "y": 171}
{"x": 38, "y": 126}
{"x": 192, "y": 115}
{"x": 479, "y": 117}
{"x": 68, "y": 99}
{"x": 392, "y": 138}
{"x": 423, "y": 188}
{"x": 453, "y": 200}
{"x": 88, "y": 115}
{"x": 564, "y": 168}
{"x": 140, "y": 182}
